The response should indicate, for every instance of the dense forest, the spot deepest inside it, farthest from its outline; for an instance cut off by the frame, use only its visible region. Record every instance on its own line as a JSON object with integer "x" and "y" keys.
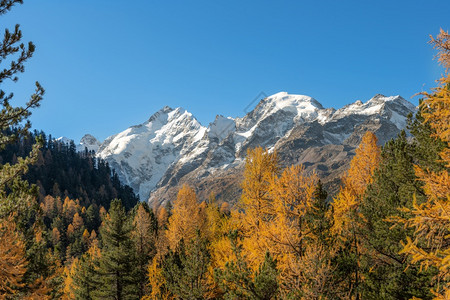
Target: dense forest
{"x": 61, "y": 171}
{"x": 70, "y": 230}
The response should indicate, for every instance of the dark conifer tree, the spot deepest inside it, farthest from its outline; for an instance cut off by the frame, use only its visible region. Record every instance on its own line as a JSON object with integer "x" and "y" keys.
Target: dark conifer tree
{"x": 185, "y": 269}
{"x": 85, "y": 278}
{"x": 388, "y": 274}
{"x": 117, "y": 263}
{"x": 318, "y": 217}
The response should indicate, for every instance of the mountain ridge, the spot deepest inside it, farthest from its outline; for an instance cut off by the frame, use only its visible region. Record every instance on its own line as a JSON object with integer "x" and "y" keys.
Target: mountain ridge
{"x": 172, "y": 147}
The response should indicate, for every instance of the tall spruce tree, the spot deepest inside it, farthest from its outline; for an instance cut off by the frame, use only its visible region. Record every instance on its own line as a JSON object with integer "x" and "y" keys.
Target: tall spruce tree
{"x": 185, "y": 269}
{"x": 117, "y": 263}
{"x": 318, "y": 217}
{"x": 387, "y": 273}
{"x": 85, "y": 279}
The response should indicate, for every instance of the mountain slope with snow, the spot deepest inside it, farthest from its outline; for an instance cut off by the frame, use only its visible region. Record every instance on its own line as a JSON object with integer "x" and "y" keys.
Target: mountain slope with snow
{"x": 172, "y": 147}
{"x": 141, "y": 154}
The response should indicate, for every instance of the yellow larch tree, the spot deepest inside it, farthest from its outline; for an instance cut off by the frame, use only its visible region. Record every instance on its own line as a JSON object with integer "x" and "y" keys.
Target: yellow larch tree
{"x": 70, "y": 230}
{"x": 78, "y": 275}
{"x": 13, "y": 262}
{"x": 143, "y": 233}
{"x": 431, "y": 219}
{"x": 77, "y": 221}
{"x": 163, "y": 216}
{"x": 144, "y": 236}
{"x": 70, "y": 207}
{"x": 272, "y": 217}
{"x": 354, "y": 184}
{"x": 186, "y": 217}
{"x": 156, "y": 281}
{"x": 316, "y": 273}
{"x": 256, "y": 205}
{"x": 85, "y": 237}
{"x": 292, "y": 197}
{"x": 69, "y": 271}
{"x": 346, "y": 216}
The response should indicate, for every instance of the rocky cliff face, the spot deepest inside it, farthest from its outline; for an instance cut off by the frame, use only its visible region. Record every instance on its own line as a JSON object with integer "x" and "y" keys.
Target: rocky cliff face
{"x": 173, "y": 148}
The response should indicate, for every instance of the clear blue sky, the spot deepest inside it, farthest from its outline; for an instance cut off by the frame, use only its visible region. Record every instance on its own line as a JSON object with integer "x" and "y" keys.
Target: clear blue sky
{"x": 109, "y": 64}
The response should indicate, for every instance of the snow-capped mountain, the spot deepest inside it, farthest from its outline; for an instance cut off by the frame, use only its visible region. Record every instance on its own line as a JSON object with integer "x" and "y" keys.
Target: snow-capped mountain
{"x": 88, "y": 142}
{"x": 142, "y": 154}
{"x": 64, "y": 140}
{"x": 172, "y": 147}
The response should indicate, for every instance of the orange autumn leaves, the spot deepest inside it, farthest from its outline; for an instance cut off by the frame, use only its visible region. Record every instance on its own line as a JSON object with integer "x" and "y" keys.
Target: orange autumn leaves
{"x": 273, "y": 215}
{"x": 13, "y": 262}
{"x": 354, "y": 184}
{"x": 273, "y": 208}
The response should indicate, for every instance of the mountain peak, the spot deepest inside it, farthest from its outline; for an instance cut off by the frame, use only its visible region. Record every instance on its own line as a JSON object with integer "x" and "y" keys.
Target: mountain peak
{"x": 165, "y": 110}
{"x": 378, "y": 96}
{"x": 397, "y": 99}
{"x": 90, "y": 142}
{"x": 289, "y": 99}
{"x": 301, "y": 107}
{"x": 172, "y": 144}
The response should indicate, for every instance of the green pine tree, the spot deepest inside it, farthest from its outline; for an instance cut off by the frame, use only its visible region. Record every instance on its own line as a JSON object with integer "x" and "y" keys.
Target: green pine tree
{"x": 185, "y": 269}
{"x": 117, "y": 263}
{"x": 318, "y": 217}
{"x": 387, "y": 273}
{"x": 85, "y": 278}
{"x": 426, "y": 146}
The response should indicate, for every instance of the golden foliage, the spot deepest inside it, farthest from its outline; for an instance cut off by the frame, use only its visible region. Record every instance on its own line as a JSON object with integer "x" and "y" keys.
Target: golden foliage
{"x": 260, "y": 167}
{"x": 442, "y": 43}
{"x": 316, "y": 273}
{"x": 217, "y": 227}
{"x": 346, "y": 217}
{"x": 70, "y": 230}
{"x": 12, "y": 258}
{"x": 70, "y": 207}
{"x": 156, "y": 281}
{"x": 186, "y": 217}
{"x": 142, "y": 233}
{"x": 363, "y": 165}
{"x": 273, "y": 217}
{"x": 163, "y": 217}
{"x": 50, "y": 204}
{"x": 69, "y": 271}
{"x": 85, "y": 237}
{"x": 292, "y": 195}
{"x": 431, "y": 219}
{"x": 102, "y": 212}
{"x": 256, "y": 203}
{"x": 358, "y": 177}
{"x": 77, "y": 221}
{"x": 225, "y": 208}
